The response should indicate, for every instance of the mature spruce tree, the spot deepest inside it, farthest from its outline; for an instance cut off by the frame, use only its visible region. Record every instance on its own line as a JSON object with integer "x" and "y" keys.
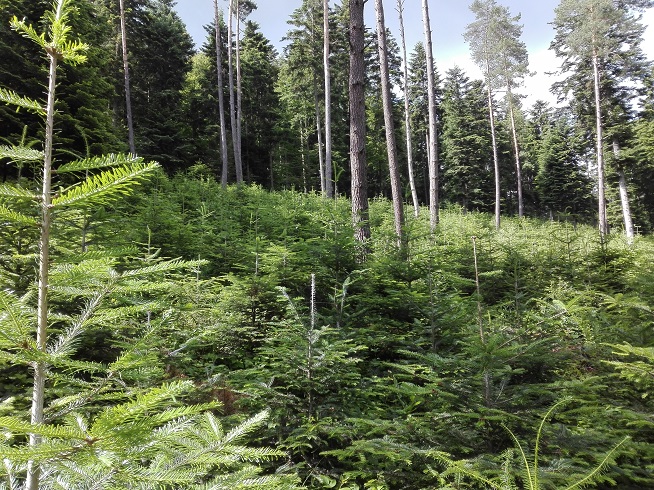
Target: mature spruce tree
{"x": 465, "y": 145}
{"x": 260, "y": 103}
{"x": 563, "y": 187}
{"x": 160, "y": 55}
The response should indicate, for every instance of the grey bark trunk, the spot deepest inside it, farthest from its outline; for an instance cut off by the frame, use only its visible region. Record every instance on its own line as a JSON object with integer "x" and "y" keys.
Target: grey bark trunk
{"x": 239, "y": 110}
{"x": 321, "y": 160}
{"x": 407, "y": 114}
{"x": 329, "y": 187}
{"x": 221, "y": 101}
{"x": 433, "y": 142}
{"x": 496, "y": 160}
{"x": 128, "y": 91}
{"x": 516, "y": 151}
{"x": 391, "y": 148}
{"x": 232, "y": 101}
{"x": 602, "y": 221}
{"x": 624, "y": 195}
{"x": 359, "y": 183}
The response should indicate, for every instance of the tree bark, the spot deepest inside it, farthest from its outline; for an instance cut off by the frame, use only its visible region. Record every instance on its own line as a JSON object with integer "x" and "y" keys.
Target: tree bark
{"x": 496, "y": 160}
{"x": 407, "y": 114}
{"x": 602, "y": 221}
{"x": 329, "y": 187}
{"x": 232, "y": 101}
{"x": 128, "y": 91}
{"x": 239, "y": 110}
{"x": 221, "y": 101}
{"x": 389, "y": 125}
{"x": 433, "y": 136}
{"x": 358, "y": 167}
{"x": 624, "y": 195}
{"x": 321, "y": 161}
{"x": 516, "y": 151}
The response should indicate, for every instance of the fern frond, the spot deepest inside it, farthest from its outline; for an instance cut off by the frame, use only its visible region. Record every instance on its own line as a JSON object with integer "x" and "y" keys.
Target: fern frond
{"x": 16, "y": 192}
{"x": 599, "y": 469}
{"x": 102, "y": 188}
{"x": 12, "y": 98}
{"x": 20, "y": 154}
{"x": 98, "y": 163}
{"x": 7, "y": 214}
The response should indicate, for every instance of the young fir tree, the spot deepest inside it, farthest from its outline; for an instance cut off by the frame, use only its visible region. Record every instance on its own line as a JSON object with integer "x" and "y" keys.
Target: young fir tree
{"x": 87, "y": 437}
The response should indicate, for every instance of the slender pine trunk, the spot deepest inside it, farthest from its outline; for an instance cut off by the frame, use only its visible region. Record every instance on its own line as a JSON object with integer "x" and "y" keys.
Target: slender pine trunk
{"x": 516, "y": 152}
{"x": 329, "y": 187}
{"x": 321, "y": 161}
{"x": 433, "y": 136}
{"x": 391, "y": 147}
{"x": 232, "y": 101}
{"x": 624, "y": 195}
{"x": 496, "y": 160}
{"x": 221, "y": 101}
{"x": 407, "y": 114}
{"x": 128, "y": 90}
{"x": 602, "y": 221}
{"x": 239, "y": 109}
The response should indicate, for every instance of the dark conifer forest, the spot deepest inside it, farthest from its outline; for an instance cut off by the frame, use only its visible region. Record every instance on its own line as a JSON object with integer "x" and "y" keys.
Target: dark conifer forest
{"x": 331, "y": 267}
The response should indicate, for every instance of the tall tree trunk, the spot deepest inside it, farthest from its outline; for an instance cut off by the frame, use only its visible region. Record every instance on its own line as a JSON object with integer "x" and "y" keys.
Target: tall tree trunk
{"x": 433, "y": 136}
{"x": 221, "y": 101}
{"x": 321, "y": 161}
{"x": 624, "y": 195}
{"x": 496, "y": 160}
{"x": 128, "y": 91}
{"x": 516, "y": 151}
{"x": 602, "y": 221}
{"x": 232, "y": 101}
{"x": 239, "y": 110}
{"x": 358, "y": 168}
{"x": 328, "y": 104}
{"x": 407, "y": 114}
{"x": 391, "y": 147}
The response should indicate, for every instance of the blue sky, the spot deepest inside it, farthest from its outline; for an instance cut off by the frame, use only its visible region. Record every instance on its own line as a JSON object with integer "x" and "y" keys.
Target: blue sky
{"x": 448, "y": 21}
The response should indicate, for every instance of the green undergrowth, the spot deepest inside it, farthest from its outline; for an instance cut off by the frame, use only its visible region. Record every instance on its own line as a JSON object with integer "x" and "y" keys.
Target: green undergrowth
{"x": 368, "y": 369}
{"x": 401, "y": 354}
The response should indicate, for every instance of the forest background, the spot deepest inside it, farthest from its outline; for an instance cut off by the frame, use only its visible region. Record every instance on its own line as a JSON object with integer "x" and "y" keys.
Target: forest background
{"x": 425, "y": 362}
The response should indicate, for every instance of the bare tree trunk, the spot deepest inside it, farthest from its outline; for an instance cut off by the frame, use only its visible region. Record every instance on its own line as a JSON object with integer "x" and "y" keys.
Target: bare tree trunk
{"x": 624, "y": 195}
{"x": 358, "y": 168}
{"x": 391, "y": 148}
{"x": 221, "y": 101}
{"x": 329, "y": 188}
{"x": 516, "y": 151}
{"x": 321, "y": 161}
{"x": 407, "y": 115}
{"x": 496, "y": 160}
{"x": 433, "y": 137}
{"x": 128, "y": 91}
{"x": 232, "y": 101}
{"x": 239, "y": 110}
{"x": 602, "y": 221}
